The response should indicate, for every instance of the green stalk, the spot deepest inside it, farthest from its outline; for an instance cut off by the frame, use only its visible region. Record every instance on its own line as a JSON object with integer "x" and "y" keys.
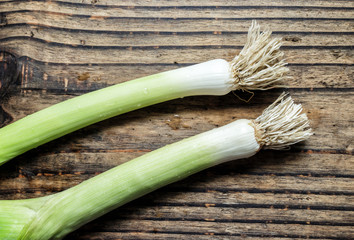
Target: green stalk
{"x": 68, "y": 210}
{"x": 78, "y": 112}
{"x": 55, "y": 216}
{"x": 257, "y": 67}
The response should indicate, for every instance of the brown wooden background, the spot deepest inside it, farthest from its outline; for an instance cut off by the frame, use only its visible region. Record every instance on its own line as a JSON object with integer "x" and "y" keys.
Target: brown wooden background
{"x": 66, "y": 48}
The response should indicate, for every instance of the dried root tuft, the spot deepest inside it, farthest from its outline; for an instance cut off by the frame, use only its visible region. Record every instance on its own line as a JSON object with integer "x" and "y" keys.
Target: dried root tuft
{"x": 282, "y": 124}
{"x": 260, "y": 64}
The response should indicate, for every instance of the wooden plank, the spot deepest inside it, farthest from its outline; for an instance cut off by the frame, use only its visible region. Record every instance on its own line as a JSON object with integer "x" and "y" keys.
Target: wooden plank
{"x": 171, "y": 196}
{"x": 79, "y": 79}
{"x": 38, "y": 19}
{"x": 176, "y": 12}
{"x": 265, "y": 163}
{"x": 330, "y": 115}
{"x": 48, "y": 53}
{"x": 237, "y": 3}
{"x": 197, "y": 3}
{"x": 85, "y": 78}
{"x": 224, "y": 183}
{"x": 224, "y": 214}
{"x": 226, "y": 229}
{"x": 244, "y": 199}
{"x": 136, "y": 39}
{"x": 164, "y": 236}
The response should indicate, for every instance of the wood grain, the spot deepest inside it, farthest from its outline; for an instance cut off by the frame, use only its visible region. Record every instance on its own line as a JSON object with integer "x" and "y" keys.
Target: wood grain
{"x": 198, "y": 3}
{"x": 144, "y": 38}
{"x": 64, "y": 48}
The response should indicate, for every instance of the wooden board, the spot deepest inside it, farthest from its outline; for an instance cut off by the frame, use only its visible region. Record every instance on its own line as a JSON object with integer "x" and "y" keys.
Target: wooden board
{"x": 61, "y": 49}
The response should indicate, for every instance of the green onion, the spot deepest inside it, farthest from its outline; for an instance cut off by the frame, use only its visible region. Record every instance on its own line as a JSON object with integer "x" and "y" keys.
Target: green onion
{"x": 259, "y": 66}
{"x": 54, "y": 216}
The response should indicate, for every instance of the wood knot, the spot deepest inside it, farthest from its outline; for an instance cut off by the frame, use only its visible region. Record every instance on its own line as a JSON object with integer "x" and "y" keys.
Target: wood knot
{"x": 3, "y": 20}
{"x": 5, "y": 117}
{"x": 8, "y": 72}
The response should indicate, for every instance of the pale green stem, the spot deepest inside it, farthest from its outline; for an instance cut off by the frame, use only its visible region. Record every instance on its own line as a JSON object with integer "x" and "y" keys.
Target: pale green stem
{"x": 64, "y": 212}
{"x": 209, "y": 78}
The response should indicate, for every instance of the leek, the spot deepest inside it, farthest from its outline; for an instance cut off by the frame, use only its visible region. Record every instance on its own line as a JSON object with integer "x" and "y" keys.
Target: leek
{"x": 259, "y": 66}
{"x": 54, "y": 216}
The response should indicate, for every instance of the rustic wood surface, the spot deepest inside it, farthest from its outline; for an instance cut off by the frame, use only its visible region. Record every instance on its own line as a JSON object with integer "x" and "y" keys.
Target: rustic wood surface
{"x": 54, "y": 50}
